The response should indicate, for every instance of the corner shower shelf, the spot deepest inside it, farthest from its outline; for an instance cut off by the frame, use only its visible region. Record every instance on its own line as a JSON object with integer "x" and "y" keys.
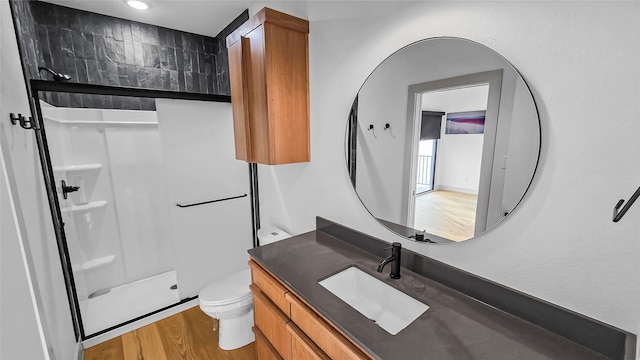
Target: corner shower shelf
{"x": 78, "y": 168}
{"x": 98, "y": 262}
{"x": 85, "y": 207}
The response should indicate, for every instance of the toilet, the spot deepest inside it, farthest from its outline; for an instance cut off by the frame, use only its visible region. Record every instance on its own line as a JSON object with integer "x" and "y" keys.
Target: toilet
{"x": 230, "y": 301}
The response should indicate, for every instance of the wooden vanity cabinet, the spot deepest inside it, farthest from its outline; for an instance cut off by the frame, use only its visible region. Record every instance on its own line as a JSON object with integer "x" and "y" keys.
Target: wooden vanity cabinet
{"x": 269, "y": 77}
{"x": 291, "y": 330}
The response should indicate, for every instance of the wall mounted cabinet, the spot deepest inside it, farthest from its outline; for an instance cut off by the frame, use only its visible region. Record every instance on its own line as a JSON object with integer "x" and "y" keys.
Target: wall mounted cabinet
{"x": 269, "y": 75}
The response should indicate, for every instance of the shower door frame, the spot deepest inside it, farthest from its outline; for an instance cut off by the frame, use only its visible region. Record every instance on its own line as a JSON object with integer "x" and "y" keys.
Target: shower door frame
{"x": 54, "y": 205}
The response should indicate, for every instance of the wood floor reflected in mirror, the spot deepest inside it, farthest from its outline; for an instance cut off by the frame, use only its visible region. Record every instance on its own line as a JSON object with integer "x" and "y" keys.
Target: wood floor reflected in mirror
{"x": 185, "y": 336}
{"x": 447, "y": 214}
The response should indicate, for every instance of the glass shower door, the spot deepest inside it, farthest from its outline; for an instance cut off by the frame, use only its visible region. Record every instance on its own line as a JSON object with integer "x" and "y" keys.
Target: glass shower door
{"x": 153, "y": 203}
{"x": 108, "y": 168}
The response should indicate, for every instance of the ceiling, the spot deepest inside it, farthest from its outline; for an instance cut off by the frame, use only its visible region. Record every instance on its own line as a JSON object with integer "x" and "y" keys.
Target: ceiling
{"x": 205, "y": 17}
{"x": 209, "y": 17}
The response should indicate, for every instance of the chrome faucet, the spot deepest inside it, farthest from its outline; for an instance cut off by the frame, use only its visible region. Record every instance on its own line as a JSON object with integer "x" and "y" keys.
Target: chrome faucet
{"x": 396, "y": 250}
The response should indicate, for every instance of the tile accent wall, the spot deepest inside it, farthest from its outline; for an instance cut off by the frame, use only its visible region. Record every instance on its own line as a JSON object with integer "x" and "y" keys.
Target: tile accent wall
{"x": 222, "y": 55}
{"x": 104, "y": 50}
{"x": 30, "y": 49}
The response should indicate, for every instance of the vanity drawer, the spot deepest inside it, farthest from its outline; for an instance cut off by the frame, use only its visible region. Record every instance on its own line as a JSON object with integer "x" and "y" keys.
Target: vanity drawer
{"x": 271, "y": 322}
{"x": 264, "y": 349}
{"x": 334, "y": 344}
{"x": 270, "y": 287}
{"x": 302, "y": 348}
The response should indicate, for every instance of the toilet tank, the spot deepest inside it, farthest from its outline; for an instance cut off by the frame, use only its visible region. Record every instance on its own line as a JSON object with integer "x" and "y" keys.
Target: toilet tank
{"x": 271, "y": 234}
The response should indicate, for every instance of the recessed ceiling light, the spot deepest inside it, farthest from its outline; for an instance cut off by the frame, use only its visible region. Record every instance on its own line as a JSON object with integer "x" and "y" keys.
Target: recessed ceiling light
{"x": 137, "y": 5}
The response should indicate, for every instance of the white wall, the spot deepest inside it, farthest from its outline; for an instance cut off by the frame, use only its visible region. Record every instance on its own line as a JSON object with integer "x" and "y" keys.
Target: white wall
{"x": 581, "y": 61}
{"x": 33, "y": 216}
{"x": 522, "y": 151}
{"x": 21, "y": 333}
{"x": 458, "y": 163}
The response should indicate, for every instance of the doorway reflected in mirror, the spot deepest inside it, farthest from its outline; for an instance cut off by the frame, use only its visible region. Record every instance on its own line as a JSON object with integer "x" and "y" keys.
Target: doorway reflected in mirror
{"x": 449, "y": 160}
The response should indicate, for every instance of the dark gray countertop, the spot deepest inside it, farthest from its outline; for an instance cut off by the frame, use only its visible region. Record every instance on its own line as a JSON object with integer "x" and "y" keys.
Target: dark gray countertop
{"x": 456, "y": 326}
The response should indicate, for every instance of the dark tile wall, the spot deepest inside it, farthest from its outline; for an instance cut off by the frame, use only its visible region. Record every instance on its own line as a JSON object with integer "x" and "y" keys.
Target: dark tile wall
{"x": 99, "y": 49}
{"x": 30, "y": 49}
{"x": 222, "y": 55}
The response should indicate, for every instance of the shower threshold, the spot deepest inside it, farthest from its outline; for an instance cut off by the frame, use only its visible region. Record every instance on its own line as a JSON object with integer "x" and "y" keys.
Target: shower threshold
{"x": 128, "y": 301}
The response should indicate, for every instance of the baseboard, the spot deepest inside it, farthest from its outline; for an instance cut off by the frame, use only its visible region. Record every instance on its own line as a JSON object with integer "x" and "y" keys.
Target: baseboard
{"x": 457, "y": 189}
{"x": 79, "y": 351}
{"x": 138, "y": 324}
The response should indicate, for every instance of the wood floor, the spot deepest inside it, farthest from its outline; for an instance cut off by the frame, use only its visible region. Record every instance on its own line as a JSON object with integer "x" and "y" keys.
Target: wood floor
{"x": 185, "y": 336}
{"x": 447, "y": 214}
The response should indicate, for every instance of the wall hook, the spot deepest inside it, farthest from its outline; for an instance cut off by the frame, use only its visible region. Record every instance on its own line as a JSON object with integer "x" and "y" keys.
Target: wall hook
{"x": 618, "y": 214}
{"x": 387, "y": 126}
{"x": 24, "y": 123}
{"x": 15, "y": 118}
{"x": 372, "y": 130}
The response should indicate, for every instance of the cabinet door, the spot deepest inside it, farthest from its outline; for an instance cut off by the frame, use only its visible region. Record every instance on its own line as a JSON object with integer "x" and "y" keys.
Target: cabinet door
{"x": 239, "y": 98}
{"x": 334, "y": 344}
{"x": 249, "y": 97}
{"x": 264, "y": 349}
{"x": 302, "y": 348}
{"x": 255, "y": 69}
{"x": 287, "y": 78}
{"x": 272, "y": 323}
{"x": 270, "y": 287}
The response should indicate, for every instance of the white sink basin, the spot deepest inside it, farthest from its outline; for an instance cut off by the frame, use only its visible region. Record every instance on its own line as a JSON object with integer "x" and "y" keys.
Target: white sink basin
{"x": 388, "y": 307}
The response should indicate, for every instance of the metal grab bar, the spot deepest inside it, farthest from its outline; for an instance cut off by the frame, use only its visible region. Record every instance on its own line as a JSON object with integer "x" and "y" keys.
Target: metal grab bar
{"x": 617, "y": 215}
{"x": 210, "y": 201}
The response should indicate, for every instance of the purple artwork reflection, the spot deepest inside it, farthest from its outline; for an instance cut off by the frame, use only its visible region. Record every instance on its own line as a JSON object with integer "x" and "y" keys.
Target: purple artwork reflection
{"x": 468, "y": 122}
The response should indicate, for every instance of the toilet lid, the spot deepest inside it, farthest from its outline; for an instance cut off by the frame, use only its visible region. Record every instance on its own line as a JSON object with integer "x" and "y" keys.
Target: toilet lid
{"x": 228, "y": 289}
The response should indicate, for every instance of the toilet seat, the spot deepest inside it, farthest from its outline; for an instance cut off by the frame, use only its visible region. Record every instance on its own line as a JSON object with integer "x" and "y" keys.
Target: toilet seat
{"x": 228, "y": 290}
{"x": 231, "y": 310}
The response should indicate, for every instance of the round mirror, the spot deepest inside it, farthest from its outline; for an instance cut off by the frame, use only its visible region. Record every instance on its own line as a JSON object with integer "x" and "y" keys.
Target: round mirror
{"x": 443, "y": 140}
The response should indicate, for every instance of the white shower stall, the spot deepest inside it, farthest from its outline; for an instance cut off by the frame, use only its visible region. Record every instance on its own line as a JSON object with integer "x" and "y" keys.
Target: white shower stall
{"x": 120, "y": 175}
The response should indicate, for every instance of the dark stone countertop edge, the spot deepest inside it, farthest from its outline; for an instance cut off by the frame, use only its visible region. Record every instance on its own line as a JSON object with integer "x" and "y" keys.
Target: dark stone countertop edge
{"x": 605, "y": 339}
